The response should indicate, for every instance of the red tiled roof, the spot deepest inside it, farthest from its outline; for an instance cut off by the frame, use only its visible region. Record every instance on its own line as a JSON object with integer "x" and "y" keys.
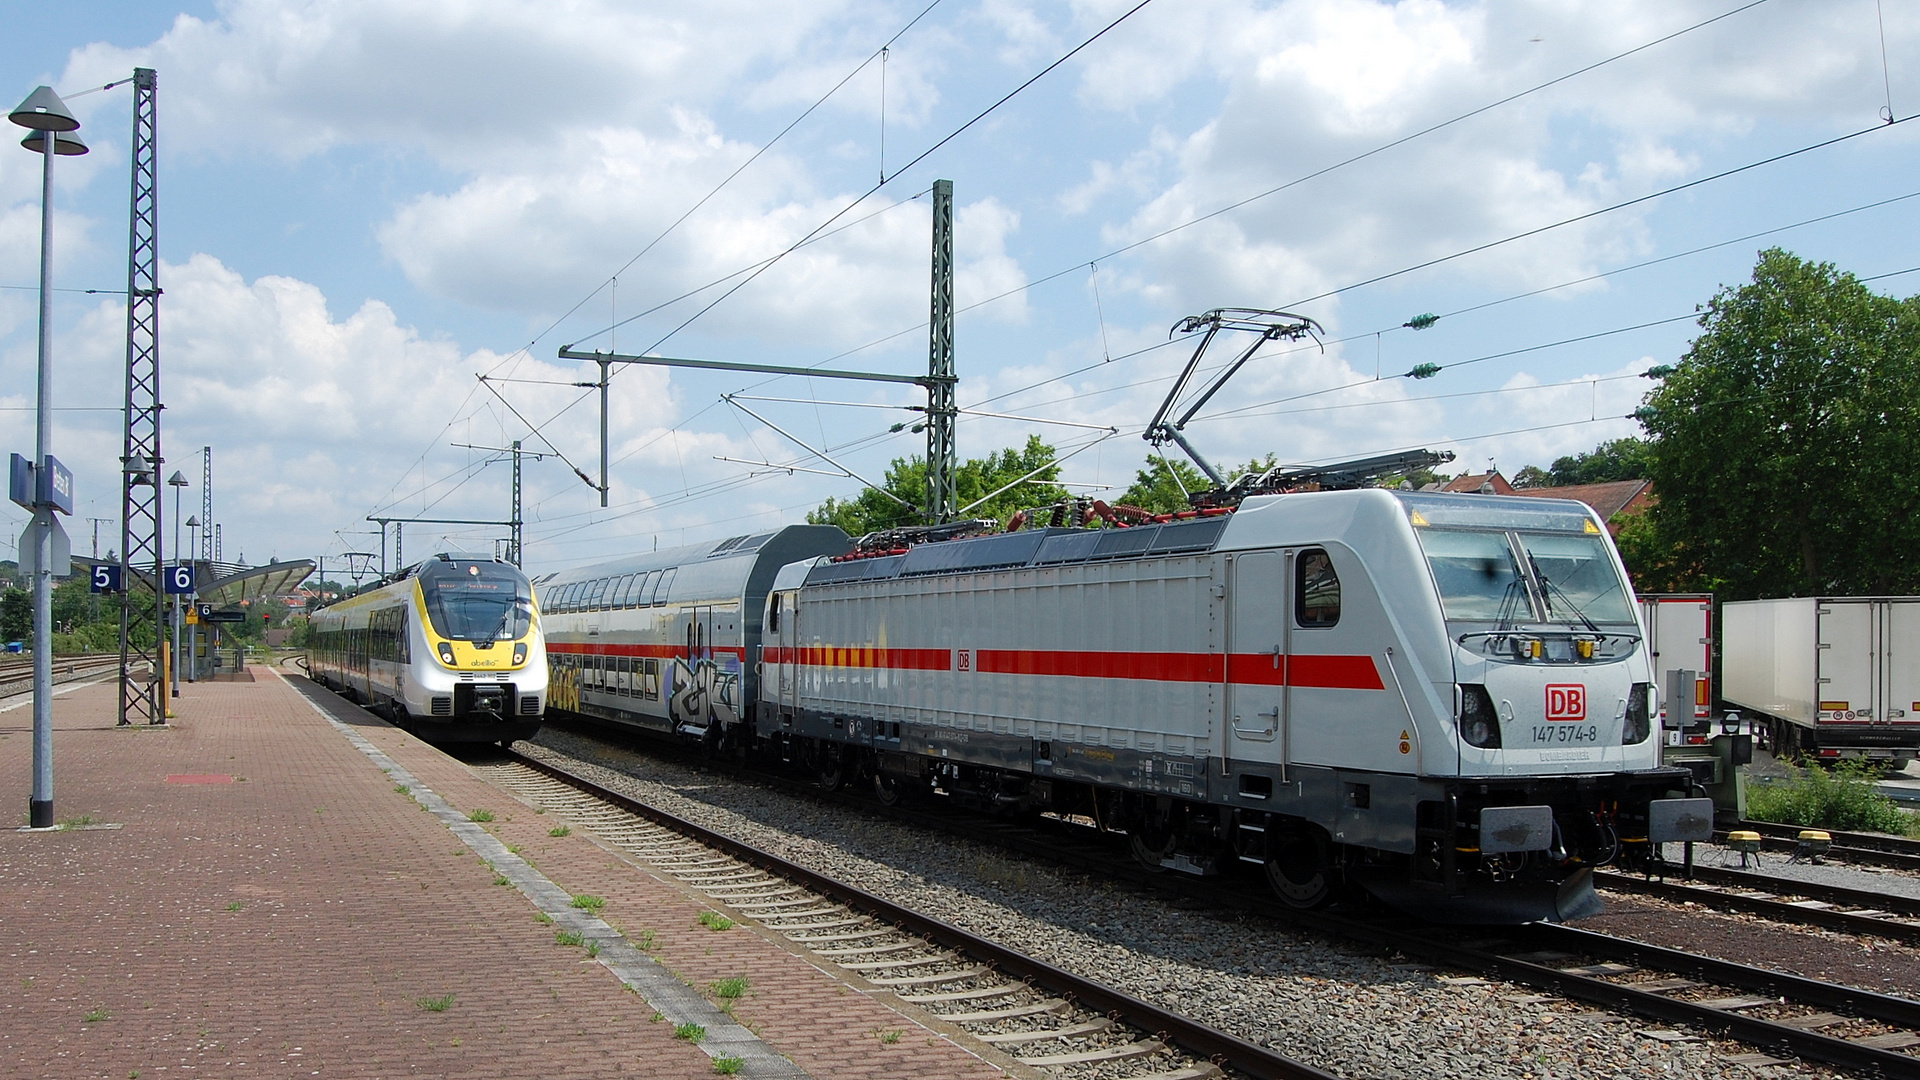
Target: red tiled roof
{"x": 1606, "y": 499}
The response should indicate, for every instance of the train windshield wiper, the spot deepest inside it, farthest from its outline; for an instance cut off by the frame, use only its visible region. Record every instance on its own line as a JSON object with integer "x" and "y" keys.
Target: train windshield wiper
{"x": 1552, "y": 590}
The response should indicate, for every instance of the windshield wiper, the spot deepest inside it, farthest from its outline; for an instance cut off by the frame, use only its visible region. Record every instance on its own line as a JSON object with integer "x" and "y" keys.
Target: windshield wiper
{"x": 1553, "y": 590}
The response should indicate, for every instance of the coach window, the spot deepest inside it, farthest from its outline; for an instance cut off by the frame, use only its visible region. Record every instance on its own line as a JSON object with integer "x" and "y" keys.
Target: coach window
{"x": 628, "y": 586}
{"x": 1316, "y": 590}
{"x": 666, "y": 582}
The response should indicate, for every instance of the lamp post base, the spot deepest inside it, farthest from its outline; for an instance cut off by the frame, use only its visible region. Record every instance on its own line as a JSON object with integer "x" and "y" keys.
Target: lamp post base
{"x": 40, "y": 813}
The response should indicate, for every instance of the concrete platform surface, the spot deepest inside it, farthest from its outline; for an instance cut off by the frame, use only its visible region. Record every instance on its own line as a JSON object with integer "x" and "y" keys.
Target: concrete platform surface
{"x": 248, "y": 893}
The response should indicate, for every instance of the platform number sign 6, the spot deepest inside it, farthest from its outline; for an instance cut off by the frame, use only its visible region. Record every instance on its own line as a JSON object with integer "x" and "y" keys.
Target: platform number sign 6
{"x": 106, "y": 579}
{"x": 179, "y": 579}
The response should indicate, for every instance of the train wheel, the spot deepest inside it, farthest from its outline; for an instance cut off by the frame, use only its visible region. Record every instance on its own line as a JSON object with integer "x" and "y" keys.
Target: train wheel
{"x": 891, "y": 790}
{"x": 1151, "y": 842}
{"x": 831, "y": 775}
{"x": 1300, "y": 869}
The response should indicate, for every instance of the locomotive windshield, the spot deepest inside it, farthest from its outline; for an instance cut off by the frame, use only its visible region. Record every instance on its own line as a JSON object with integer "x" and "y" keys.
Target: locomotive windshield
{"x": 1514, "y": 577}
{"x": 477, "y": 601}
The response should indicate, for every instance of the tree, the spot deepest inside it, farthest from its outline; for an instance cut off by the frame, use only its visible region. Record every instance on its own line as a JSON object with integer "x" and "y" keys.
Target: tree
{"x": 1783, "y": 450}
{"x": 1163, "y": 485}
{"x": 16, "y": 615}
{"x": 1533, "y": 476}
{"x": 1616, "y": 459}
{"x": 906, "y": 478}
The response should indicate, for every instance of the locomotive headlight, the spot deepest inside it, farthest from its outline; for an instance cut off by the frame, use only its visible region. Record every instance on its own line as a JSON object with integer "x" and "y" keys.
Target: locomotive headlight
{"x": 519, "y": 654}
{"x": 1638, "y": 723}
{"x": 446, "y": 653}
{"x": 1479, "y": 723}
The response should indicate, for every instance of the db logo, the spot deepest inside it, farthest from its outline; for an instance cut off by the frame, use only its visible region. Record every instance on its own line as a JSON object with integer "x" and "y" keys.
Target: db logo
{"x": 966, "y": 660}
{"x": 1566, "y": 701}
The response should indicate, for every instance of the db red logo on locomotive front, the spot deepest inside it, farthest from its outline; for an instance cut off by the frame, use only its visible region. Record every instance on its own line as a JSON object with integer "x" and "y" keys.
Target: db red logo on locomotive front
{"x": 1566, "y": 701}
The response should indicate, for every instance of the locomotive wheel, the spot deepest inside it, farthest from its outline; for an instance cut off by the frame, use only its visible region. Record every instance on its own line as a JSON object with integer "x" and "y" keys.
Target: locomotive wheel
{"x": 1300, "y": 870}
{"x": 1151, "y": 843}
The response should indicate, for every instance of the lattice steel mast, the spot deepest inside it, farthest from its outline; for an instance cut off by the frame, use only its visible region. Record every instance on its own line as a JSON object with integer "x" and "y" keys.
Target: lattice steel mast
{"x": 206, "y": 504}
{"x": 142, "y": 696}
{"x": 942, "y": 463}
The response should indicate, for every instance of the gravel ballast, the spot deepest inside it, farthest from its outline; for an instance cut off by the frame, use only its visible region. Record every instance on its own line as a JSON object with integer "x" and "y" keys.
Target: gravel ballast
{"x": 1348, "y": 1013}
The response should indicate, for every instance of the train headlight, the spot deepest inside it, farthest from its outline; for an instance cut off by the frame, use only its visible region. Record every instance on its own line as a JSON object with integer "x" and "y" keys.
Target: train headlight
{"x": 1638, "y": 723}
{"x": 1479, "y": 723}
{"x": 446, "y": 653}
{"x": 519, "y": 655}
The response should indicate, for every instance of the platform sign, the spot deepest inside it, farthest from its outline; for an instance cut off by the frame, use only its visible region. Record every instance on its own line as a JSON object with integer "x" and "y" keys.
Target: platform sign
{"x": 106, "y": 578}
{"x": 56, "y": 486}
{"x": 180, "y": 579}
{"x": 224, "y": 616}
{"x": 30, "y": 548}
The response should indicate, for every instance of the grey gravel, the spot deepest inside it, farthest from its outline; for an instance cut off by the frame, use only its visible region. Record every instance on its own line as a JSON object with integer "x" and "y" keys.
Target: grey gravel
{"x": 1350, "y": 1014}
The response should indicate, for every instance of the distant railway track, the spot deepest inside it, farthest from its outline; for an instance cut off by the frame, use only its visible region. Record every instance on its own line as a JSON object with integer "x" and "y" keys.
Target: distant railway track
{"x": 1853, "y": 911}
{"x": 1864, "y": 849}
{"x": 16, "y": 672}
{"x": 1776, "y": 1011}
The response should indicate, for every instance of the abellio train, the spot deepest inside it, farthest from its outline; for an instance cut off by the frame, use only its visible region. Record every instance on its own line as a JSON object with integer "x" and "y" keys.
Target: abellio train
{"x": 451, "y": 650}
{"x": 1444, "y": 699}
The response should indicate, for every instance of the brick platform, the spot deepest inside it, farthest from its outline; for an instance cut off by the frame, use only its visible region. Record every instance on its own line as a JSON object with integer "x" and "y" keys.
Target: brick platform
{"x": 295, "y": 919}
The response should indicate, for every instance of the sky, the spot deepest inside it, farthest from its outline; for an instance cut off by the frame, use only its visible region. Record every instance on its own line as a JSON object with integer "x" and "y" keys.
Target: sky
{"x": 367, "y": 205}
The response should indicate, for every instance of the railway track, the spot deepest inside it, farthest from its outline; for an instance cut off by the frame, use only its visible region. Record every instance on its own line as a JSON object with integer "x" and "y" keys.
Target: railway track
{"x": 1774, "y": 1011}
{"x": 1832, "y": 907}
{"x": 16, "y": 673}
{"x": 1861, "y": 849}
{"x": 1045, "y": 1017}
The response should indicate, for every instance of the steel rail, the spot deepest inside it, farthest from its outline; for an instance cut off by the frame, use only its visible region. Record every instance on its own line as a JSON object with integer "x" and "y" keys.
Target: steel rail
{"x": 1772, "y": 907}
{"x": 1773, "y": 1035}
{"x": 1206, "y": 1042}
{"x": 1435, "y": 945}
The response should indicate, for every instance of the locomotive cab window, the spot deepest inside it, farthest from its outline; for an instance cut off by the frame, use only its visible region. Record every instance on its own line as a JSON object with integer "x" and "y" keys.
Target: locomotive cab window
{"x": 773, "y": 615}
{"x": 1316, "y": 589}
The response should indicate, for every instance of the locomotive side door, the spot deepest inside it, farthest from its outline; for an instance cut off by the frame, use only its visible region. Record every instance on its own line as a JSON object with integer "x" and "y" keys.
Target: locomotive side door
{"x": 1257, "y": 646}
{"x": 786, "y": 640}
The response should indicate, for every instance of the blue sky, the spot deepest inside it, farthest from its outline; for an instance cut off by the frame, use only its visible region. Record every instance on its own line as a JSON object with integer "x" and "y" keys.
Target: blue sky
{"x": 366, "y": 204}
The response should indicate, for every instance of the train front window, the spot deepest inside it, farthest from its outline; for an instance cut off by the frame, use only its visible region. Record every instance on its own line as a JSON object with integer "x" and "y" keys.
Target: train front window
{"x": 478, "y": 602}
{"x": 1479, "y": 578}
{"x": 1577, "y": 580}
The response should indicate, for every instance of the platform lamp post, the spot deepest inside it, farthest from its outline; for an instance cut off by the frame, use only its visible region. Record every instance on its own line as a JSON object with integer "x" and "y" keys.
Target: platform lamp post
{"x": 50, "y": 126}
{"x": 177, "y": 481}
{"x": 193, "y": 629}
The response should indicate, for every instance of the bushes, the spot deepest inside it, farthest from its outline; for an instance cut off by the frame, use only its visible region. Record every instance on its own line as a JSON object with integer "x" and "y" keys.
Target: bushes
{"x": 1841, "y": 798}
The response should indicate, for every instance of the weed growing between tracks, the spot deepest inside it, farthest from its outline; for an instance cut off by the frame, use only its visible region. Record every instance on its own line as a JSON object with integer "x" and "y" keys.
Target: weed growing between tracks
{"x": 1843, "y": 797}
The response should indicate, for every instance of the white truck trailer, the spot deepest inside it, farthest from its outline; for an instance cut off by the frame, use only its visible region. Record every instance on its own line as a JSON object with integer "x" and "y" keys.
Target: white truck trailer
{"x": 1680, "y": 638}
{"x": 1835, "y": 677}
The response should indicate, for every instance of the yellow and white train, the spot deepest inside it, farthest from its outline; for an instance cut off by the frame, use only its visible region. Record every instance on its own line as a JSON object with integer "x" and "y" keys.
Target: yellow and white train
{"x": 451, "y": 650}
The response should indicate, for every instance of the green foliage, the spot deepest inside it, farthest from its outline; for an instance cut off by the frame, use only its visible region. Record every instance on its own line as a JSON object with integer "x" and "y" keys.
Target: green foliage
{"x": 727, "y": 1066}
{"x": 729, "y": 988}
{"x": 1533, "y": 476}
{"x": 691, "y": 1032}
{"x": 1843, "y": 798}
{"x": 1615, "y": 459}
{"x": 713, "y": 920}
{"x": 16, "y": 615}
{"x": 435, "y": 1004}
{"x": 1782, "y": 449}
{"x": 906, "y": 478}
{"x": 589, "y": 904}
{"x": 568, "y": 937}
{"x": 1163, "y": 485}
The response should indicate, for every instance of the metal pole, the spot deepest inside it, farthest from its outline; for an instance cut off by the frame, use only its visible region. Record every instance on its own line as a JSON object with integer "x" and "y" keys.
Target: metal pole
{"x": 603, "y": 432}
{"x": 942, "y": 493}
{"x": 399, "y": 560}
{"x": 514, "y": 557}
{"x": 40, "y": 806}
{"x": 173, "y": 669}
{"x": 140, "y": 500}
{"x": 206, "y": 503}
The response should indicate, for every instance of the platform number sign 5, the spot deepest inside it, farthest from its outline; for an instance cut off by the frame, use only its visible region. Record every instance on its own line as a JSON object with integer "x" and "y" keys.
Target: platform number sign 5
{"x": 1566, "y": 701}
{"x": 179, "y": 579}
{"x": 106, "y": 579}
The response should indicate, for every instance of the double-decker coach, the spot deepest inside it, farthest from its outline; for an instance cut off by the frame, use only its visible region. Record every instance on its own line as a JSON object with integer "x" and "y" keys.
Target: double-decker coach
{"x": 666, "y": 641}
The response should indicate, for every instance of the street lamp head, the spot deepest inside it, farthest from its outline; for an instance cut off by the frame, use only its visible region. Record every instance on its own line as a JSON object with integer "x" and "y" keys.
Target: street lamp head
{"x": 65, "y": 143}
{"x": 178, "y": 479}
{"x": 44, "y": 111}
{"x": 193, "y": 522}
{"x": 139, "y": 473}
